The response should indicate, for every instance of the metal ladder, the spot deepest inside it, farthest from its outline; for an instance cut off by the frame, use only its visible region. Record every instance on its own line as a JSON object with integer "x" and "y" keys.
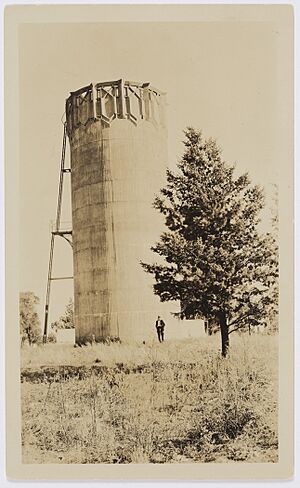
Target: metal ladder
{"x": 66, "y": 234}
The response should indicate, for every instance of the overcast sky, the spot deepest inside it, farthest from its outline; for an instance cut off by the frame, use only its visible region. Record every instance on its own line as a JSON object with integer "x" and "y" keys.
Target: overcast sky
{"x": 220, "y": 77}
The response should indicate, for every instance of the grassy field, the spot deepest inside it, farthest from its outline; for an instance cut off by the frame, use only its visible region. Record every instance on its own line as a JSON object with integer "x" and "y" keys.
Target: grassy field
{"x": 174, "y": 402}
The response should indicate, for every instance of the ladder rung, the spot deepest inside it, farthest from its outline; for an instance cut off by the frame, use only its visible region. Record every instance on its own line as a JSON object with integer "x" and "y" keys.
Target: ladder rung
{"x": 62, "y": 278}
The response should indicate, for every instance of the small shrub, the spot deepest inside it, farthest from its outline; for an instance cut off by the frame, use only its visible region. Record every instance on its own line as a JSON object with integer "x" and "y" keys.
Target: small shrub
{"x": 51, "y": 338}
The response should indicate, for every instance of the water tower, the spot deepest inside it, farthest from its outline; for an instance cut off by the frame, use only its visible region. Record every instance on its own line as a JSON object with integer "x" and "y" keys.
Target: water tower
{"x": 118, "y": 147}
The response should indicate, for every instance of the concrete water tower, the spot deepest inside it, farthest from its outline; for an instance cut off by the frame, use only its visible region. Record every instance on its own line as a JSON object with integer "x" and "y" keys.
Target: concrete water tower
{"x": 118, "y": 145}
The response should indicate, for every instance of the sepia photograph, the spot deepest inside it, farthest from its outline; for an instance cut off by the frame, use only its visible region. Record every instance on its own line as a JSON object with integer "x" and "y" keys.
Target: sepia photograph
{"x": 150, "y": 290}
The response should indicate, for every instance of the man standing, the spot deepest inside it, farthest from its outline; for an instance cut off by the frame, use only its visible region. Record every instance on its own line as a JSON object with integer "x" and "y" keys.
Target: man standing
{"x": 160, "y": 326}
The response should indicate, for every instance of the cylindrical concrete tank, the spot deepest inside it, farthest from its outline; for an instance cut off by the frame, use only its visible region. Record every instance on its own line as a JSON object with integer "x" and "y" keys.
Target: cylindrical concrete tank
{"x": 118, "y": 147}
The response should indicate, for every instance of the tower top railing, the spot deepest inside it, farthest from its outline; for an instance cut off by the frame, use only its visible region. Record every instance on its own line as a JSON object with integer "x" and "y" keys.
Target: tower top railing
{"x": 109, "y": 100}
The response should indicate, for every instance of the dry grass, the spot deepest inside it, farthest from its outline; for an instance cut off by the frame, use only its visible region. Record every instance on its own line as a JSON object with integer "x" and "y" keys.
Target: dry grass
{"x": 113, "y": 353}
{"x": 157, "y": 403}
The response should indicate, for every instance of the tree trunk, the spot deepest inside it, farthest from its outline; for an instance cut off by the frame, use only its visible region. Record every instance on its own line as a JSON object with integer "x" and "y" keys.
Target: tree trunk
{"x": 28, "y": 331}
{"x": 224, "y": 333}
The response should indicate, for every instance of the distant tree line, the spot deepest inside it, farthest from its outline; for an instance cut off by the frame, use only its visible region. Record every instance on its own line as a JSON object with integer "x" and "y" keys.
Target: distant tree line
{"x": 30, "y": 326}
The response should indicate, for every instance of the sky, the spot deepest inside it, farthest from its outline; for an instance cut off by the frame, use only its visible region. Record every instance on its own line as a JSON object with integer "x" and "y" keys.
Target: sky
{"x": 221, "y": 77}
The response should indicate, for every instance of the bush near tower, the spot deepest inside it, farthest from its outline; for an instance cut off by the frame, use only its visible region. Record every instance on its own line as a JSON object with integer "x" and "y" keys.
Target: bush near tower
{"x": 216, "y": 262}
{"x": 66, "y": 321}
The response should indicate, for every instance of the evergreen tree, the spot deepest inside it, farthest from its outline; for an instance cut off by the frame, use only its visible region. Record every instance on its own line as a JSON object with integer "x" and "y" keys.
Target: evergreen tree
{"x": 213, "y": 258}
